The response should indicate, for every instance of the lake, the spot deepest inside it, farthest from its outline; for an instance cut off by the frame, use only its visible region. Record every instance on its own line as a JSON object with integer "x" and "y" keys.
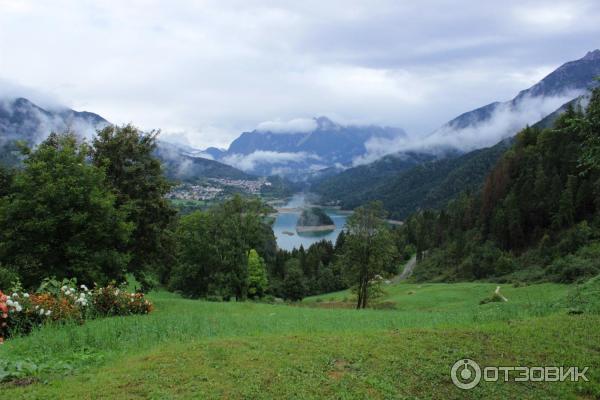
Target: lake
{"x": 286, "y": 222}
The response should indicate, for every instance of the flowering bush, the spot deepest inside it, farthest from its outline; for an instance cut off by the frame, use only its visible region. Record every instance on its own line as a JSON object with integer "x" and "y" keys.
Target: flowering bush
{"x": 3, "y": 316}
{"x": 21, "y": 312}
{"x": 111, "y": 300}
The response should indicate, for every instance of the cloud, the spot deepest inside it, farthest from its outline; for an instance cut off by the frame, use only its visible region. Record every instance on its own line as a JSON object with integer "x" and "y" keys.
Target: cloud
{"x": 248, "y": 162}
{"x": 297, "y": 125}
{"x": 38, "y": 123}
{"x": 505, "y": 121}
{"x": 212, "y": 69}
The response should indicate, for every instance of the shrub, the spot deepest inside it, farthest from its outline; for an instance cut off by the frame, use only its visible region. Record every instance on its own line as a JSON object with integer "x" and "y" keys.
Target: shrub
{"x": 21, "y": 312}
{"x": 3, "y": 316}
{"x": 584, "y": 264}
{"x": 112, "y": 300}
{"x": 585, "y": 297}
{"x": 7, "y": 277}
{"x": 495, "y": 298}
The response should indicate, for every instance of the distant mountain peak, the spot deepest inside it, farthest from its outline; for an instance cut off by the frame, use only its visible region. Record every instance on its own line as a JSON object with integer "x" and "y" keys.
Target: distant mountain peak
{"x": 592, "y": 56}
{"x": 324, "y": 123}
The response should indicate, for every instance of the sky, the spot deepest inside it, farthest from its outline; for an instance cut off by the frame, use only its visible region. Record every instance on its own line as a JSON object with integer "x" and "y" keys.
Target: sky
{"x": 204, "y": 71}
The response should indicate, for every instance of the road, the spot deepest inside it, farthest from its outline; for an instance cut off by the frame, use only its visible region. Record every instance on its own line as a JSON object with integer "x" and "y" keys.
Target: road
{"x": 408, "y": 270}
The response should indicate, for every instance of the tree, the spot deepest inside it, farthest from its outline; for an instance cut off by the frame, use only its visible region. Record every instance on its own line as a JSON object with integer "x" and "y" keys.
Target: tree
{"x": 60, "y": 218}
{"x": 294, "y": 284}
{"x": 135, "y": 174}
{"x": 6, "y": 176}
{"x": 197, "y": 264}
{"x": 257, "y": 275}
{"x": 214, "y": 247}
{"x": 590, "y": 158}
{"x": 239, "y": 228}
{"x": 368, "y": 249}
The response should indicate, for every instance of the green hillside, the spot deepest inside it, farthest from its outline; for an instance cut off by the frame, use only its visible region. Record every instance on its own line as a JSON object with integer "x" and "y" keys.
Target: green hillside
{"x": 196, "y": 349}
{"x": 536, "y": 217}
{"x": 403, "y": 191}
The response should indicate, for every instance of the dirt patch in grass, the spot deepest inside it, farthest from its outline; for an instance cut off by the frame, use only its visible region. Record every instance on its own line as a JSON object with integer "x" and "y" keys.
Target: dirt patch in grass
{"x": 22, "y": 382}
{"x": 340, "y": 367}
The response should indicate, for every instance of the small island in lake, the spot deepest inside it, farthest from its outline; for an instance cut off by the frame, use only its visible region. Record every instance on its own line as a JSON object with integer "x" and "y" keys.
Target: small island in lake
{"x": 314, "y": 220}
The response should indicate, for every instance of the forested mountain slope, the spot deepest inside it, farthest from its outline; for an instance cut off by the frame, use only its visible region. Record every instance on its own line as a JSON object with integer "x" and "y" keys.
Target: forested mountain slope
{"x": 537, "y": 217}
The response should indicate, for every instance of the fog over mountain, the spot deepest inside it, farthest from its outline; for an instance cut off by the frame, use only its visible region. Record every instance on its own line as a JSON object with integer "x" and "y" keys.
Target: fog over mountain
{"x": 207, "y": 71}
{"x": 23, "y": 121}
{"x": 301, "y": 146}
{"x": 487, "y": 125}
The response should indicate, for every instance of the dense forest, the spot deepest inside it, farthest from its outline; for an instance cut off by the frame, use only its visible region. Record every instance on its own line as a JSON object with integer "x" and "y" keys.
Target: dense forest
{"x": 536, "y": 217}
{"x": 404, "y": 189}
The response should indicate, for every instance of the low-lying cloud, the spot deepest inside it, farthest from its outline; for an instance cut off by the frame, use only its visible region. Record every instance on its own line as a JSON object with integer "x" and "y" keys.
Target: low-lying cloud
{"x": 249, "y": 162}
{"x": 25, "y": 121}
{"x": 506, "y": 120}
{"x": 297, "y": 125}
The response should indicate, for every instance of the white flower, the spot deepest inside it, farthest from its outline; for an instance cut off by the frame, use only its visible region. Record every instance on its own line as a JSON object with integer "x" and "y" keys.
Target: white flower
{"x": 15, "y": 295}
{"x": 83, "y": 287}
{"x": 117, "y": 292}
{"x": 41, "y": 311}
{"x": 64, "y": 288}
{"x": 26, "y": 295}
{"x": 19, "y": 308}
{"x": 48, "y": 313}
{"x": 9, "y": 303}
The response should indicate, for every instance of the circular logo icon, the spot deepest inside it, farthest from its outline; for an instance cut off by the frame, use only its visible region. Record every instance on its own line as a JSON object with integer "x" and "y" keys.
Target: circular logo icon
{"x": 466, "y": 374}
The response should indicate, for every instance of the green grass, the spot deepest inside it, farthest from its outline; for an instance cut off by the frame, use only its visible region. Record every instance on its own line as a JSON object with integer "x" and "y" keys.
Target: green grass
{"x": 432, "y": 297}
{"x": 196, "y": 349}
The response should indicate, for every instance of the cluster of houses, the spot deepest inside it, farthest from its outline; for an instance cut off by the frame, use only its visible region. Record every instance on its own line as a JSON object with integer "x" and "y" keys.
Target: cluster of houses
{"x": 214, "y": 188}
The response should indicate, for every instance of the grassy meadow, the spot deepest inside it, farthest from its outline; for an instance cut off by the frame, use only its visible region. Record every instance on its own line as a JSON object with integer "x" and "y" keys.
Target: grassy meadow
{"x": 198, "y": 349}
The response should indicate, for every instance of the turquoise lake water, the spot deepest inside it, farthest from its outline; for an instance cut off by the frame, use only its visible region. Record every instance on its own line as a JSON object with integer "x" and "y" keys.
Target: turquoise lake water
{"x": 286, "y": 222}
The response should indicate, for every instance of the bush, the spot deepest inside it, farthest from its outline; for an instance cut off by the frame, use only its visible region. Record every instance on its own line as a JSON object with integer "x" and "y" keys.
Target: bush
{"x": 495, "y": 298}
{"x": 585, "y": 297}
{"x": 584, "y": 264}
{"x": 3, "y": 316}
{"x": 21, "y": 312}
{"x": 112, "y": 300}
{"x": 7, "y": 277}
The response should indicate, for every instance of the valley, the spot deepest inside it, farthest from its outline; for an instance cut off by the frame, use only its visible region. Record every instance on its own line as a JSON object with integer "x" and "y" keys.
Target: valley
{"x": 307, "y": 200}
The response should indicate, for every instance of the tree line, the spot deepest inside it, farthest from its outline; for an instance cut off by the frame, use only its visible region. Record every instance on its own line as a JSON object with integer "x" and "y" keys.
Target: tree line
{"x": 536, "y": 217}
{"x": 97, "y": 212}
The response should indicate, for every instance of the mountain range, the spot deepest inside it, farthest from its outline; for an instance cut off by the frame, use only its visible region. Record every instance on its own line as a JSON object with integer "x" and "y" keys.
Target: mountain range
{"x": 23, "y": 121}
{"x": 493, "y": 122}
{"x": 431, "y": 184}
{"x": 325, "y": 154}
{"x": 301, "y": 149}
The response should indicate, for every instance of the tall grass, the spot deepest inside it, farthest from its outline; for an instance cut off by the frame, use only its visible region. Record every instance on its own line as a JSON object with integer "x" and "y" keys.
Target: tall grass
{"x": 178, "y": 320}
